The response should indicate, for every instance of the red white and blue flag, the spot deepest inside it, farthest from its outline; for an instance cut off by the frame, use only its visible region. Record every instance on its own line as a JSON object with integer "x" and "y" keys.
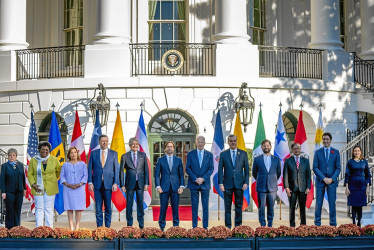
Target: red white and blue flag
{"x": 141, "y": 135}
{"x": 217, "y": 147}
{"x": 77, "y": 141}
{"x": 281, "y": 150}
{"x": 32, "y": 150}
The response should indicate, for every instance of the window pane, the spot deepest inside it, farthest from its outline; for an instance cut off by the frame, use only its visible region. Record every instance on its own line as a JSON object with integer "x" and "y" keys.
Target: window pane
{"x": 179, "y": 10}
{"x": 154, "y": 10}
{"x": 167, "y": 31}
{"x": 167, "y": 10}
{"x": 179, "y": 31}
{"x": 154, "y": 33}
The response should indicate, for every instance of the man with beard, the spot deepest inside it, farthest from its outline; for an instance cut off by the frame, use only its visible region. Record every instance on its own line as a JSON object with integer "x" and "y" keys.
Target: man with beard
{"x": 169, "y": 182}
{"x": 266, "y": 170}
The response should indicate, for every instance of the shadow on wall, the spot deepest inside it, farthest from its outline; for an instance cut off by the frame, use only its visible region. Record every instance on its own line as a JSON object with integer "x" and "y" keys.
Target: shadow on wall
{"x": 204, "y": 11}
{"x": 226, "y": 104}
{"x": 68, "y": 113}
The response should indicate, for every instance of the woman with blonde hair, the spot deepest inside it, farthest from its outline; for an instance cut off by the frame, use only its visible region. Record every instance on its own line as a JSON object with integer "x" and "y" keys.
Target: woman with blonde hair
{"x": 74, "y": 177}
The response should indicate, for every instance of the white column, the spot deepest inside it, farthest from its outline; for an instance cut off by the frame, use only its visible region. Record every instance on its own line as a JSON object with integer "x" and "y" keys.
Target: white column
{"x": 367, "y": 29}
{"x": 325, "y": 25}
{"x": 113, "y": 22}
{"x": 13, "y": 25}
{"x": 231, "y": 21}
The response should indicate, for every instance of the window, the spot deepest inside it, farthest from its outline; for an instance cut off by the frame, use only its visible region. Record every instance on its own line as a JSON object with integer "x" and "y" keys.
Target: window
{"x": 257, "y": 25}
{"x": 343, "y": 36}
{"x": 73, "y": 28}
{"x": 167, "y": 23}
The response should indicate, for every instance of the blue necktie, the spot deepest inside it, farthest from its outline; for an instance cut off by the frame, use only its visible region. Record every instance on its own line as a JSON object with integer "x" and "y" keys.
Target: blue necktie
{"x": 200, "y": 157}
{"x": 327, "y": 154}
{"x": 233, "y": 158}
{"x": 170, "y": 163}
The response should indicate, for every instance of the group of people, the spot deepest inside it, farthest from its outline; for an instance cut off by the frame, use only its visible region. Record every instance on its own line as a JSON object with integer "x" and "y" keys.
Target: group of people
{"x": 104, "y": 175}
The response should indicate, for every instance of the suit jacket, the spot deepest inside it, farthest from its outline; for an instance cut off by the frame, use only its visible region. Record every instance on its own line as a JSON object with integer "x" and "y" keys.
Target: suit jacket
{"x": 266, "y": 181}
{"x": 296, "y": 180}
{"x": 166, "y": 178}
{"x": 50, "y": 175}
{"x": 110, "y": 171}
{"x": 12, "y": 180}
{"x": 194, "y": 170}
{"x": 323, "y": 168}
{"x": 233, "y": 177}
{"x": 141, "y": 169}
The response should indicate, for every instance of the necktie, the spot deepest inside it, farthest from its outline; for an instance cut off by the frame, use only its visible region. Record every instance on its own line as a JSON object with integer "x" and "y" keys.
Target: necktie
{"x": 200, "y": 157}
{"x": 170, "y": 162}
{"x": 233, "y": 158}
{"x": 103, "y": 158}
{"x": 327, "y": 154}
{"x": 135, "y": 164}
{"x": 297, "y": 163}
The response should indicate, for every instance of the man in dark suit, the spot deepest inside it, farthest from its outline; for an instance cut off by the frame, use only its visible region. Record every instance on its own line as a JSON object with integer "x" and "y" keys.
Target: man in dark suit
{"x": 137, "y": 173}
{"x": 103, "y": 174}
{"x": 233, "y": 178}
{"x": 326, "y": 166}
{"x": 296, "y": 181}
{"x": 266, "y": 170}
{"x": 199, "y": 168}
{"x": 169, "y": 181}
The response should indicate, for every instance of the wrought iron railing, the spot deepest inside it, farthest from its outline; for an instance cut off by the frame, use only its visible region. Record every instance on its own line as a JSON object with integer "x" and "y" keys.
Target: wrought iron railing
{"x": 364, "y": 73}
{"x": 365, "y": 140}
{"x": 362, "y": 125}
{"x": 198, "y": 58}
{"x": 3, "y": 159}
{"x": 370, "y": 197}
{"x": 290, "y": 62}
{"x": 54, "y": 62}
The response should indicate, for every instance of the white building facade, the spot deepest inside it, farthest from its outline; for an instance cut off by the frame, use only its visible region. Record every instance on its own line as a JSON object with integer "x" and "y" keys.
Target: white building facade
{"x": 287, "y": 51}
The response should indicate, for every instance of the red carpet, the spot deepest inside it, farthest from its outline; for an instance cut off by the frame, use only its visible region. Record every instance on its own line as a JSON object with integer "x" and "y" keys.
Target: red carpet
{"x": 185, "y": 213}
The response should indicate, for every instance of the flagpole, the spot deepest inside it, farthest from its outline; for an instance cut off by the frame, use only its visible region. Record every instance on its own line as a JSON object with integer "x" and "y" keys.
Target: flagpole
{"x": 53, "y": 110}
{"x": 280, "y": 200}
{"x": 219, "y": 208}
{"x": 119, "y": 213}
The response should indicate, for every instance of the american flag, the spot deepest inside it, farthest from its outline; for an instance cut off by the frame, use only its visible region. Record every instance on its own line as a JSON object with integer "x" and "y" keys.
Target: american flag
{"x": 32, "y": 150}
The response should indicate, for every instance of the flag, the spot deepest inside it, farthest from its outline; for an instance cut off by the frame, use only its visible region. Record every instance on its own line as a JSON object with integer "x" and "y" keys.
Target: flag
{"x": 77, "y": 141}
{"x": 300, "y": 137}
{"x": 318, "y": 145}
{"x": 257, "y": 150}
{"x": 59, "y": 152}
{"x": 217, "y": 147}
{"x": 96, "y": 133}
{"x": 282, "y": 151}
{"x": 32, "y": 150}
{"x": 118, "y": 145}
{"x": 141, "y": 135}
{"x": 241, "y": 145}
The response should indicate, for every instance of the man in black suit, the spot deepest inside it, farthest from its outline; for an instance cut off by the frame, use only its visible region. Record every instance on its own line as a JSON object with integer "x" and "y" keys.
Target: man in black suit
{"x": 136, "y": 180}
{"x": 233, "y": 178}
{"x": 296, "y": 181}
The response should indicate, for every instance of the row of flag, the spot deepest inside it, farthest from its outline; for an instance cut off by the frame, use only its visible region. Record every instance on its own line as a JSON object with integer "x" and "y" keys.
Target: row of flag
{"x": 281, "y": 150}
{"x": 118, "y": 145}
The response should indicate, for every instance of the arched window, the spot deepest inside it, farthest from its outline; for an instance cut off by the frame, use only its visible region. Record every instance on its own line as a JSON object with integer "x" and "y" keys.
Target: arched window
{"x": 290, "y": 125}
{"x": 43, "y": 133}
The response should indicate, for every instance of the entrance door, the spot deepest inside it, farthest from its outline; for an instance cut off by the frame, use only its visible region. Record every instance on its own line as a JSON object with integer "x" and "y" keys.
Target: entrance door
{"x": 171, "y": 125}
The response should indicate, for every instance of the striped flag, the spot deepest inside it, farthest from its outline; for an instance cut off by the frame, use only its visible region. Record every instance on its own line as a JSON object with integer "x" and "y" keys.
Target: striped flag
{"x": 59, "y": 152}
{"x": 141, "y": 135}
{"x": 318, "y": 145}
{"x": 241, "y": 145}
{"x": 217, "y": 147}
{"x": 118, "y": 145}
{"x": 260, "y": 136}
{"x": 300, "y": 137}
{"x": 282, "y": 151}
{"x": 32, "y": 150}
{"x": 77, "y": 141}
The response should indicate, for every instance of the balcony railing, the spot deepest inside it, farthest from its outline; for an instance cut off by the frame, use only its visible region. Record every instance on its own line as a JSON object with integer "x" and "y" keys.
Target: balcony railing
{"x": 198, "y": 58}
{"x": 290, "y": 62}
{"x": 364, "y": 73}
{"x": 50, "y": 62}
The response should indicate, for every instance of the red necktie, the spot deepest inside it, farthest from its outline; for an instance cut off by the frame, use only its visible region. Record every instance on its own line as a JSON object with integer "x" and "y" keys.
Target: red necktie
{"x": 297, "y": 163}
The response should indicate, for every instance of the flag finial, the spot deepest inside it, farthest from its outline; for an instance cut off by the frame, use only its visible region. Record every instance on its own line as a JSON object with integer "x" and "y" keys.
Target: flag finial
{"x": 53, "y": 106}
{"x": 320, "y": 106}
{"x": 301, "y": 106}
{"x": 142, "y": 104}
{"x": 76, "y": 106}
{"x": 117, "y": 106}
{"x": 260, "y": 105}
{"x": 31, "y": 107}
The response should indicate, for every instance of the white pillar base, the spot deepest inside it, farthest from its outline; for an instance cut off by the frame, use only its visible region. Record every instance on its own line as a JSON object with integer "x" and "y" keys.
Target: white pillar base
{"x": 330, "y": 45}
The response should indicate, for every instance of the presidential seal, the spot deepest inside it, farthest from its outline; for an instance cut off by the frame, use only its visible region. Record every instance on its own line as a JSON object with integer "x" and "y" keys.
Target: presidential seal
{"x": 172, "y": 60}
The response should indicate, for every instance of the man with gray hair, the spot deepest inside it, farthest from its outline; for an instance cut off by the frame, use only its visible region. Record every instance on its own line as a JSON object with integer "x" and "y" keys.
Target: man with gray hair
{"x": 199, "y": 168}
{"x": 296, "y": 181}
{"x": 136, "y": 180}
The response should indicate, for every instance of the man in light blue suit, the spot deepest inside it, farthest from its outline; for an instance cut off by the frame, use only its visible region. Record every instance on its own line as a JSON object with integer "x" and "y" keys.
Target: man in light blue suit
{"x": 266, "y": 170}
{"x": 326, "y": 166}
{"x": 103, "y": 178}
{"x": 199, "y": 168}
{"x": 169, "y": 181}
